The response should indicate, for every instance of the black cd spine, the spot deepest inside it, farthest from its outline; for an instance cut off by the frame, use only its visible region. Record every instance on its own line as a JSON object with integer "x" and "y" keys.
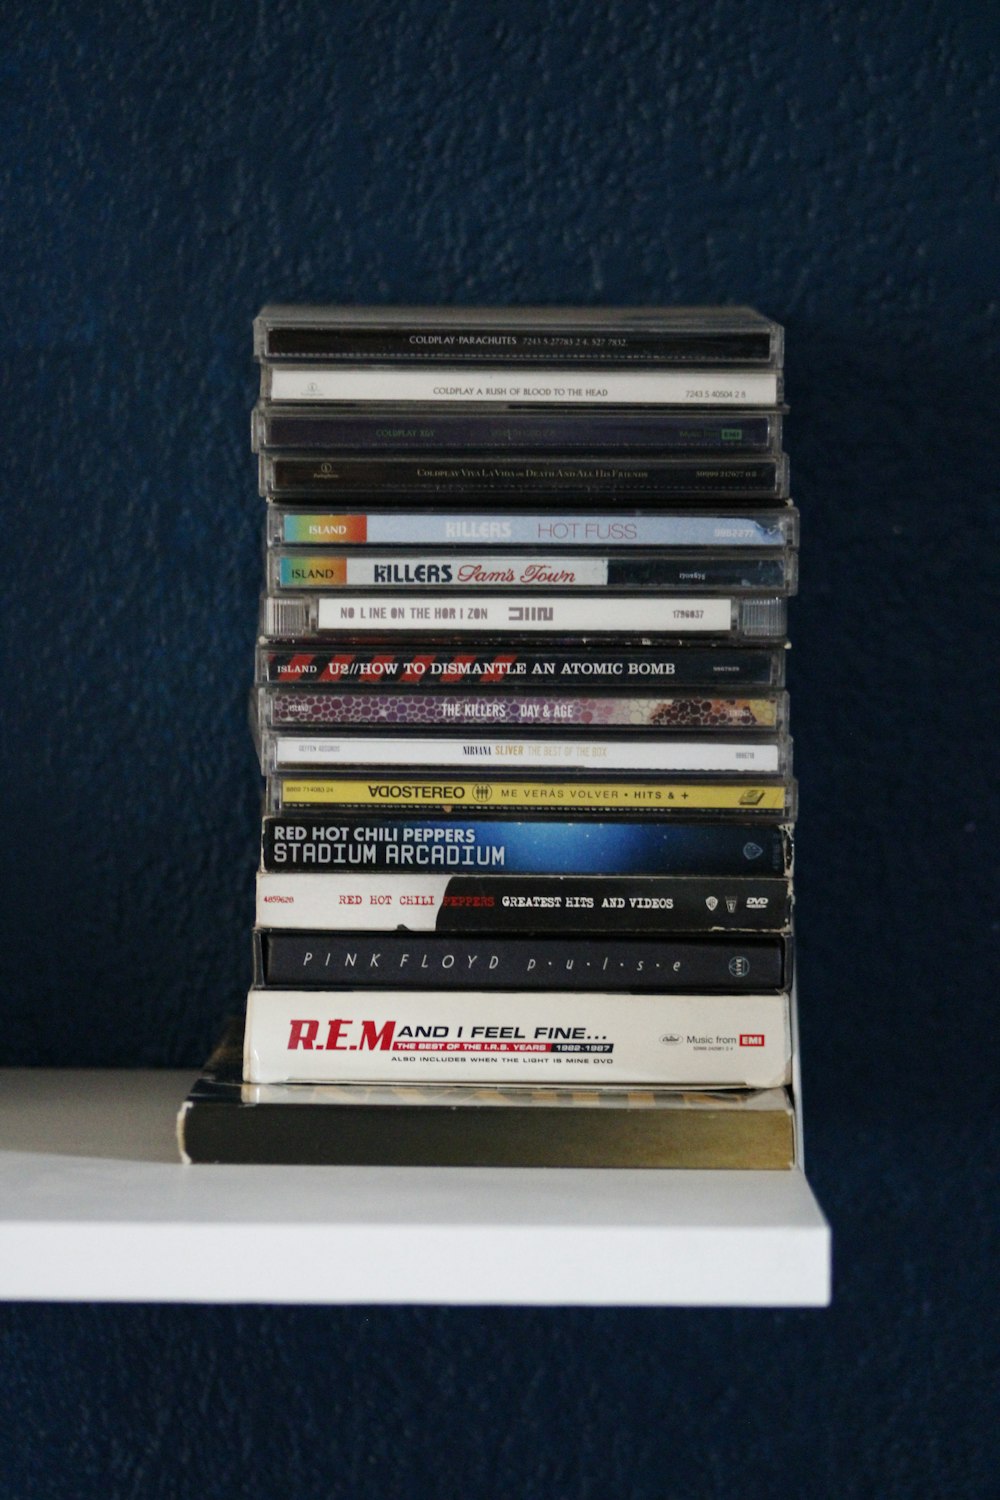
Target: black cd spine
{"x": 326, "y": 961}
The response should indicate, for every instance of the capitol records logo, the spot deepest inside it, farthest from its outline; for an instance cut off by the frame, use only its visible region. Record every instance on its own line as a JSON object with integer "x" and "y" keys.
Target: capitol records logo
{"x": 751, "y": 1039}
{"x": 482, "y": 792}
{"x": 711, "y": 902}
{"x": 670, "y": 1039}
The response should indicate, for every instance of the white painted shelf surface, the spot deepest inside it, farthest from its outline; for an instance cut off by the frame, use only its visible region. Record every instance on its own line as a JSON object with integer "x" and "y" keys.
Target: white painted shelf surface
{"x": 95, "y": 1206}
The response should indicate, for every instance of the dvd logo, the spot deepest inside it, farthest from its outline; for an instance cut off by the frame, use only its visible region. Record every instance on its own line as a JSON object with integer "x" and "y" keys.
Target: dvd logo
{"x": 751, "y": 1039}
{"x": 757, "y": 903}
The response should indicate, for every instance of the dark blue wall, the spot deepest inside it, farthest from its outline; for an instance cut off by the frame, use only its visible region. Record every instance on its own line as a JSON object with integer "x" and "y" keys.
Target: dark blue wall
{"x": 169, "y": 167}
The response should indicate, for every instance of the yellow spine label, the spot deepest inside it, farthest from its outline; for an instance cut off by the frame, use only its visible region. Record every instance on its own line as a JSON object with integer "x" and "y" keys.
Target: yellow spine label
{"x": 537, "y": 795}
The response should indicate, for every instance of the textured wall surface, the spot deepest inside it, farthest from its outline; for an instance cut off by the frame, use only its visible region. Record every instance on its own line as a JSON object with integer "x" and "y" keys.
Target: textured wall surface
{"x": 166, "y": 168}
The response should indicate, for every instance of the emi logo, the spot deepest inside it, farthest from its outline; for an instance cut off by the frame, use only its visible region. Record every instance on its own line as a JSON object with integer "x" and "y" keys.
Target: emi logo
{"x": 751, "y": 1039}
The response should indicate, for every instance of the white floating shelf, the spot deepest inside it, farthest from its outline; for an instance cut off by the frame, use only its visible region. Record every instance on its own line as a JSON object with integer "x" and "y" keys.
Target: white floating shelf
{"x": 95, "y": 1206}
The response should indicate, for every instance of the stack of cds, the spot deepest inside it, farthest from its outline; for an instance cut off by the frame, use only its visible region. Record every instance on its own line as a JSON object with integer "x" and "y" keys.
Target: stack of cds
{"x": 525, "y": 887}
